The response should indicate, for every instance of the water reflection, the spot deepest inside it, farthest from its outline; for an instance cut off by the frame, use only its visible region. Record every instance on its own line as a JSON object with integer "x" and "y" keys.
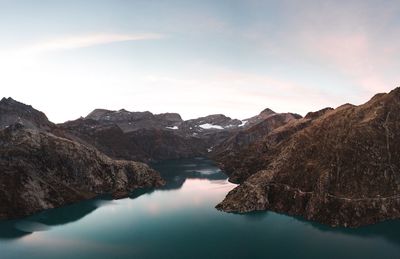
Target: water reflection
{"x": 388, "y": 230}
{"x": 175, "y": 172}
{"x": 12, "y": 229}
{"x": 161, "y": 222}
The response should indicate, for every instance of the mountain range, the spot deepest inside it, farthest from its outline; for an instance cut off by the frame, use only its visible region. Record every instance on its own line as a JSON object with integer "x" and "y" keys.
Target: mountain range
{"x": 335, "y": 166}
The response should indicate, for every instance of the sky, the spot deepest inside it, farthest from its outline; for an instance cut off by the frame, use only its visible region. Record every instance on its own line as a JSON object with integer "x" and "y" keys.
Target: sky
{"x": 196, "y": 58}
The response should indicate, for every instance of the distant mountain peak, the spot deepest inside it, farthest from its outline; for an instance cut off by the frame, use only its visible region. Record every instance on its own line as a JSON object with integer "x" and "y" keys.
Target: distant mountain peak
{"x": 12, "y": 111}
{"x": 10, "y": 100}
{"x": 267, "y": 111}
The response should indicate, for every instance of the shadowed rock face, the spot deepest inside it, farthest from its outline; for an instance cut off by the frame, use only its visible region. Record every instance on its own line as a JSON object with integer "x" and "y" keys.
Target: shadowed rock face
{"x": 39, "y": 170}
{"x": 339, "y": 167}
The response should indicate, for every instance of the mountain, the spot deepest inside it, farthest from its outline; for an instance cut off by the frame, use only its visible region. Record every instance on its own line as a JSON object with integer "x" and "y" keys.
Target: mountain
{"x": 258, "y": 127}
{"x": 12, "y": 112}
{"x": 131, "y": 121}
{"x": 148, "y": 137}
{"x": 339, "y": 167}
{"x": 266, "y": 113}
{"x": 41, "y": 169}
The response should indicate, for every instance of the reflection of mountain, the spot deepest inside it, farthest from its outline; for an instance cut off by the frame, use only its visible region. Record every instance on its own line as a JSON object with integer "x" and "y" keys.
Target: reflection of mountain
{"x": 70, "y": 213}
{"x": 8, "y": 231}
{"x": 175, "y": 172}
{"x": 11, "y": 229}
{"x": 388, "y": 230}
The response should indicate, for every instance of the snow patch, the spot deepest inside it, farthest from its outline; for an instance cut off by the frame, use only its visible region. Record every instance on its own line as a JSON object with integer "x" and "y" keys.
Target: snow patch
{"x": 173, "y": 128}
{"x": 243, "y": 123}
{"x": 230, "y": 126}
{"x": 210, "y": 126}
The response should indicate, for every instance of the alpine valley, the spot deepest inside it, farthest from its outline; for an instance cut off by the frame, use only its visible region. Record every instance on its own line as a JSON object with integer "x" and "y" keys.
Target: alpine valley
{"x": 339, "y": 167}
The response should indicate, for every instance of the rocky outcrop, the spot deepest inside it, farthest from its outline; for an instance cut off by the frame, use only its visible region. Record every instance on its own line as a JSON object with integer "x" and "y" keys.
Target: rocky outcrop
{"x": 339, "y": 167}
{"x": 39, "y": 170}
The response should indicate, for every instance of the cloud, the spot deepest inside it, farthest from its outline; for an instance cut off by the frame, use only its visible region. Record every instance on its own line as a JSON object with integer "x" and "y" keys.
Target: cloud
{"x": 20, "y": 58}
{"x": 84, "y": 41}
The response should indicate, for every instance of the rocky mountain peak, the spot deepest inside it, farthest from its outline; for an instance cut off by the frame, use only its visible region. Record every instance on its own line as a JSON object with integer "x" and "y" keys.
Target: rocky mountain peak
{"x": 97, "y": 114}
{"x": 10, "y": 101}
{"x": 267, "y": 112}
{"x": 12, "y": 111}
{"x": 7, "y": 100}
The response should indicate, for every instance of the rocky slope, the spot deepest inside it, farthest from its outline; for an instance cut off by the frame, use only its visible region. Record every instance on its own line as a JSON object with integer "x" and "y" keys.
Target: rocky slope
{"x": 226, "y": 153}
{"x": 41, "y": 169}
{"x": 339, "y": 167}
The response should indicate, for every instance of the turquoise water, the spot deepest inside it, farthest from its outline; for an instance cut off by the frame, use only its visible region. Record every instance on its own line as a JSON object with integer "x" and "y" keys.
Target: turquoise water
{"x": 180, "y": 221}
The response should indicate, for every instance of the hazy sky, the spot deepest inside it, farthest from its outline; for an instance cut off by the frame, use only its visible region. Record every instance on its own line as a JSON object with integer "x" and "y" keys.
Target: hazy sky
{"x": 197, "y": 57}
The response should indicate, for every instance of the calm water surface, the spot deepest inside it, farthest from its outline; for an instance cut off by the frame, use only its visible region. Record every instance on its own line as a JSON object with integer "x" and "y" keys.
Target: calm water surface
{"x": 179, "y": 221}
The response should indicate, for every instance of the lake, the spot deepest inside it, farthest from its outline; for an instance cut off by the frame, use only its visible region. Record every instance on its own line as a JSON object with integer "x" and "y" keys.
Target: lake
{"x": 180, "y": 221}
